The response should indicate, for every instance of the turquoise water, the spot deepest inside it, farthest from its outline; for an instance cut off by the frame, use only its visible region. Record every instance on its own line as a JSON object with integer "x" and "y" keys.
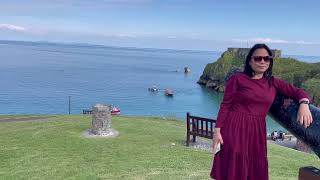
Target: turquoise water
{"x": 38, "y": 78}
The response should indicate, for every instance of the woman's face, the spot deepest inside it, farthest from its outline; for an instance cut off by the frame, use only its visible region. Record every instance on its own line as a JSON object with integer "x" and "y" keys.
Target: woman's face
{"x": 260, "y": 61}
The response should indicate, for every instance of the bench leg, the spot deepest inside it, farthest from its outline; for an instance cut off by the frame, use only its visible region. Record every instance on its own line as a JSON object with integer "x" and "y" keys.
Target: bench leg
{"x": 194, "y": 138}
{"x": 188, "y": 139}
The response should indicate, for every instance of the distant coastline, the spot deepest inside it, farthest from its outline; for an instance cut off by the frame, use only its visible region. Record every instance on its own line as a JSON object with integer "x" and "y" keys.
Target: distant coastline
{"x": 305, "y": 58}
{"x": 102, "y": 46}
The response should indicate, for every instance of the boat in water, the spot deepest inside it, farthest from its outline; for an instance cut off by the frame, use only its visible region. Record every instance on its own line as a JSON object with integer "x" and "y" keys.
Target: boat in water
{"x": 153, "y": 89}
{"x": 115, "y": 111}
{"x": 187, "y": 70}
{"x": 168, "y": 92}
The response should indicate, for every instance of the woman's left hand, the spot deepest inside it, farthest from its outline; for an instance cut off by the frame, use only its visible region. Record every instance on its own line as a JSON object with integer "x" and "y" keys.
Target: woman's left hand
{"x": 304, "y": 115}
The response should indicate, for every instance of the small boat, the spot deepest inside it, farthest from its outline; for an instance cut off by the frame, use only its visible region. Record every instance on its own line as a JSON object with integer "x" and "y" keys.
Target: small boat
{"x": 187, "y": 70}
{"x": 153, "y": 89}
{"x": 168, "y": 92}
{"x": 115, "y": 111}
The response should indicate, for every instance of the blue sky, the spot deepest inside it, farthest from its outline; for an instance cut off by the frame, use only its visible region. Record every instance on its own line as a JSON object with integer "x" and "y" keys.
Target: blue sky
{"x": 292, "y": 26}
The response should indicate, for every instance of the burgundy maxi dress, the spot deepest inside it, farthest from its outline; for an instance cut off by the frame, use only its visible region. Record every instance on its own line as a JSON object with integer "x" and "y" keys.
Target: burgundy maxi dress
{"x": 242, "y": 119}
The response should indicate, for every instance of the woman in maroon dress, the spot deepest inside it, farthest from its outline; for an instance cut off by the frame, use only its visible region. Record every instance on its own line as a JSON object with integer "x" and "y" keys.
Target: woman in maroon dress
{"x": 241, "y": 121}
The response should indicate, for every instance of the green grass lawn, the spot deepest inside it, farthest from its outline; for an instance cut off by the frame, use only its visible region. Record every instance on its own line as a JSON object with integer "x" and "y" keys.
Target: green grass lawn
{"x": 3, "y": 117}
{"x": 55, "y": 149}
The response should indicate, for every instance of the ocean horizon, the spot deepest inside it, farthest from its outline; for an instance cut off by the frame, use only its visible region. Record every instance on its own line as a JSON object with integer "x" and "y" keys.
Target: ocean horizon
{"x": 39, "y": 77}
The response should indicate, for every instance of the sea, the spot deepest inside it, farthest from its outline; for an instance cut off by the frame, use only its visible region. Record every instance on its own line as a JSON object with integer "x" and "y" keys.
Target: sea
{"x": 57, "y": 78}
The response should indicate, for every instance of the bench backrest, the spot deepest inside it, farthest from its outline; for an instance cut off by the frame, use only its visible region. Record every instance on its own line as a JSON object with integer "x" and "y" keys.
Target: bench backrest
{"x": 200, "y": 126}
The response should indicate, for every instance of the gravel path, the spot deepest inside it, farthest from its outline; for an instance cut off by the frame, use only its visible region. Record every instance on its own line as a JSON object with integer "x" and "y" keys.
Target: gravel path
{"x": 201, "y": 143}
{"x": 205, "y": 144}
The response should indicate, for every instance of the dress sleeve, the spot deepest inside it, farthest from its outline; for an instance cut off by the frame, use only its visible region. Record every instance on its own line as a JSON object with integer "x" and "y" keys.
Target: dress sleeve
{"x": 289, "y": 90}
{"x": 227, "y": 101}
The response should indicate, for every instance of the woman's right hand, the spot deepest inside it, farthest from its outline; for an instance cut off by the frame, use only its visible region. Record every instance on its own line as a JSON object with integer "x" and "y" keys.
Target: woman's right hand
{"x": 217, "y": 138}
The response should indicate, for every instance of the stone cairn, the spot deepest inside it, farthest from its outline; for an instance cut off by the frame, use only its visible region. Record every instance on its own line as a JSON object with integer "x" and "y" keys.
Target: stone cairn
{"x": 101, "y": 122}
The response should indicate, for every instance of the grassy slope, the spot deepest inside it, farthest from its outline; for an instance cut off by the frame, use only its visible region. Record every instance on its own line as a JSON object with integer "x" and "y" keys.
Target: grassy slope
{"x": 56, "y": 150}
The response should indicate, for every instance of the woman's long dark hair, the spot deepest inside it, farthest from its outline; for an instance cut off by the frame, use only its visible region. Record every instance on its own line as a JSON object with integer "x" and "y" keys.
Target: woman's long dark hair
{"x": 249, "y": 71}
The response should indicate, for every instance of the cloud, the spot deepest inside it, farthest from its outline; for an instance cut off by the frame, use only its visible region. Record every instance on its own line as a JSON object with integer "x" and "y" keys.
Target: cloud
{"x": 306, "y": 43}
{"x": 12, "y": 27}
{"x": 172, "y": 37}
{"x": 261, "y": 40}
{"x": 123, "y": 35}
{"x": 274, "y": 41}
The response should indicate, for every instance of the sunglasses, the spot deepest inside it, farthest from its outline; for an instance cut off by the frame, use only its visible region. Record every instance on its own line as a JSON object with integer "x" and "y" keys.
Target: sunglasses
{"x": 259, "y": 58}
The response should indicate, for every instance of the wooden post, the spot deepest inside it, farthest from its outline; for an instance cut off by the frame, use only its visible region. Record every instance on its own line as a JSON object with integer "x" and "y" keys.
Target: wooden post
{"x": 69, "y": 104}
{"x": 211, "y": 130}
{"x": 194, "y": 128}
{"x": 188, "y": 129}
{"x": 202, "y": 127}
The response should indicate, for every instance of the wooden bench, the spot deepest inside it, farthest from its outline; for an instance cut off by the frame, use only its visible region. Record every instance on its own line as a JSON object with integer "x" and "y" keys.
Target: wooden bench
{"x": 199, "y": 126}
{"x": 86, "y": 111}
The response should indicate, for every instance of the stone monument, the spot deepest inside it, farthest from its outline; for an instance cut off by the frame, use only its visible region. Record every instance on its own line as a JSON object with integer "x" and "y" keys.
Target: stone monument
{"x": 101, "y": 122}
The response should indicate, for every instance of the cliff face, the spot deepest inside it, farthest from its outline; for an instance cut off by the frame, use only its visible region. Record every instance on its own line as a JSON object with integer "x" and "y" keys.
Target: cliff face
{"x": 215, "y": 74}
{"x": 301, "y": 74}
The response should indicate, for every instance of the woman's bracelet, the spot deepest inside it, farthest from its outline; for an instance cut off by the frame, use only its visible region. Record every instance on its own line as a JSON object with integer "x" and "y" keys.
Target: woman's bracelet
{"x": 304, "y": 101}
